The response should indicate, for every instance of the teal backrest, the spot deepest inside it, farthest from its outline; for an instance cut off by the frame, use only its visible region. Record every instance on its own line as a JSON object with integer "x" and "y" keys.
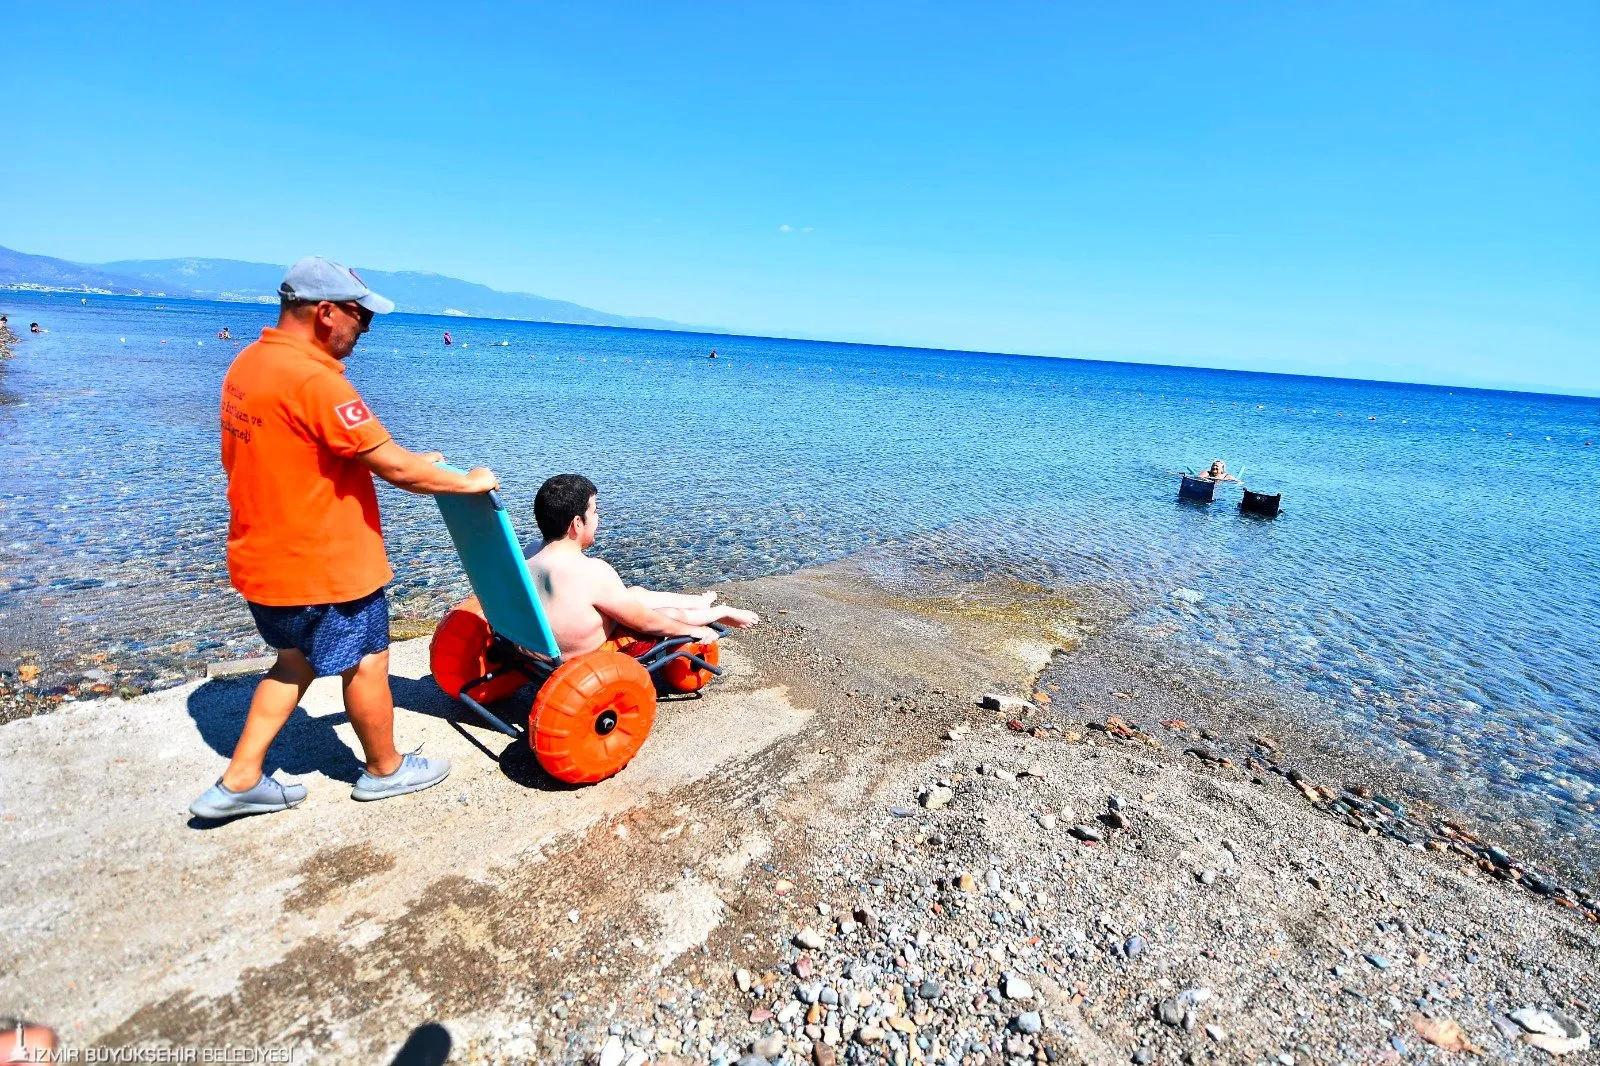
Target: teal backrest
{"x": 489, "y": 552}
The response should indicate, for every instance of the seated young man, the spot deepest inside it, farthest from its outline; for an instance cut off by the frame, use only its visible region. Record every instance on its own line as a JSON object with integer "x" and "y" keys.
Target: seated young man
{"x": 585, "y": 600}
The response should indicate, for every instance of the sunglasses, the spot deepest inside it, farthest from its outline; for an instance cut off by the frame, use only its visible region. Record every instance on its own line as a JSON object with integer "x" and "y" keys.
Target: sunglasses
{"x": 359, "y": 313}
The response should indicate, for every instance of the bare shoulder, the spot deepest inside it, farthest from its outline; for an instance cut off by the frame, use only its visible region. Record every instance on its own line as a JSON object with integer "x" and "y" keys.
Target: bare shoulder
{"x": 598, "y": 570}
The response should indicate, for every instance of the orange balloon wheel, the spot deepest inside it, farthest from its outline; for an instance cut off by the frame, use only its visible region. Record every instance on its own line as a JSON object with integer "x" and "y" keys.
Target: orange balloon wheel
{"x": 459, "y": 653}
{"x": 591, "y": 717}
{"x": 681, "y": 675}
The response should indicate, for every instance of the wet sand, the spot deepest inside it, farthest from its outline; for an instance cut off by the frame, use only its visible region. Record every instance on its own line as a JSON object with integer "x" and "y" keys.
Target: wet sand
{"x": 844, "y": 766}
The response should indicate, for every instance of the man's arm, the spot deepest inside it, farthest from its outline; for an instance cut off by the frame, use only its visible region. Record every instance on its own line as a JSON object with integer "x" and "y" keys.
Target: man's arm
{"x": 419, "y": 472}
{"x": 617, "y": 602}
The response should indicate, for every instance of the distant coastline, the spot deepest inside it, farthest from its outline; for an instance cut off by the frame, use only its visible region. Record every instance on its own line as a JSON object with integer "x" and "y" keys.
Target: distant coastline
{"x": 238, "y": 281}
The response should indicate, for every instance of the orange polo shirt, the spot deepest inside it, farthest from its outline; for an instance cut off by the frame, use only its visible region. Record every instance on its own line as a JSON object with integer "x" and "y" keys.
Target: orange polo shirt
{"x": 304, "y": 528}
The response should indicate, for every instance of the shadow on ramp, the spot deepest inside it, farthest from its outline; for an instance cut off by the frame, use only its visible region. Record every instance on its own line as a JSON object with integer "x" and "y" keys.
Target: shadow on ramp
{"x": 428, "y": 1045}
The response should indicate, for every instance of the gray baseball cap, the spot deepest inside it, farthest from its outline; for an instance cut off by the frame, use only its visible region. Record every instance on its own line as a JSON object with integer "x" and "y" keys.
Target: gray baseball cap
{"x": 314, "y": 279}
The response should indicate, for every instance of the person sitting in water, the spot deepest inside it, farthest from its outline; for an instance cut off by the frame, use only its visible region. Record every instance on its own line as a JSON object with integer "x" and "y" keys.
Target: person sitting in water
{"x": 1218, "y": 472}
{"x": 586, "y": 602}
{"x": 33, "y": 327}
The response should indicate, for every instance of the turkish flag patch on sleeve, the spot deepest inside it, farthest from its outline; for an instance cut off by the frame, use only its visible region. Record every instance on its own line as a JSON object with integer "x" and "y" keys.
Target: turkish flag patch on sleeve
{"x": 353, "y": 414}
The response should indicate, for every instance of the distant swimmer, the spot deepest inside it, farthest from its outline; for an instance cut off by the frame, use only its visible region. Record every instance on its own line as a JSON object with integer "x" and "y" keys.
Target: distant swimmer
{"x": 447, "y": 341}
{"x": 713, "y": 353}
{"x": 33, "y": 327}
{"x": 1218, "y": 472}
{"x": 224, "y": 334}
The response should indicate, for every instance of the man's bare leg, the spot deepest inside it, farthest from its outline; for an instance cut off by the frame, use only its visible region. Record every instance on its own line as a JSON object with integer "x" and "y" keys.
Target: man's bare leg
{"x": 275, "y": 699}
{"x": 370, "y": 705}
{"x": 659, "y": 600}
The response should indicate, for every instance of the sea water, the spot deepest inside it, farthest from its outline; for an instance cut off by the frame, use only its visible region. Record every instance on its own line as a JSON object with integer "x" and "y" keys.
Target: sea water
{"x": 1434, "y": 578}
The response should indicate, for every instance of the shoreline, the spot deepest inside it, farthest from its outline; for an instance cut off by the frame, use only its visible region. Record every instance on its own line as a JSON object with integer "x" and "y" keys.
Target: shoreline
{"x": 1228, "y": 715}
{"x": 794, "y": 825}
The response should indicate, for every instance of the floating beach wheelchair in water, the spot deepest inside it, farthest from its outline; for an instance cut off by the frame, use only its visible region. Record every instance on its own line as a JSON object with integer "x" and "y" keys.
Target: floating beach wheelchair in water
{"x": 593, "y": 711}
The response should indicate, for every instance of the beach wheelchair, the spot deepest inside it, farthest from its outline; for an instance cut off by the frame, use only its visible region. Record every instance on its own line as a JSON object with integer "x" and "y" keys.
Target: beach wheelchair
{"x": 592, "y": 711}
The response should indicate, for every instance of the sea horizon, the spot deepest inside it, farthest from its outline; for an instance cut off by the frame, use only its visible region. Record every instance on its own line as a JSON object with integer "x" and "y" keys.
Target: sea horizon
{"x": 1117, "y": 359}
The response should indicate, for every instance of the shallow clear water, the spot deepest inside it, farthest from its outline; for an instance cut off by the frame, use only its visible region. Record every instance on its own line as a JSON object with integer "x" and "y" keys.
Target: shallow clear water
{"x": 1433, "y": 577}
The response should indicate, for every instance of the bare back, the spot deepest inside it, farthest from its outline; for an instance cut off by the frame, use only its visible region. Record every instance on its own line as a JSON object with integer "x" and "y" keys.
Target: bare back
{"x": 569, "y": 584}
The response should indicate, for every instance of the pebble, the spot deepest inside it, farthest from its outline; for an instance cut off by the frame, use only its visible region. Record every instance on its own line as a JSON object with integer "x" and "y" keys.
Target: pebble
{"x": 809, "y": 939}
{"x": 930, "y": 990}
{"x": 1216, "y": 1032}
{"x": 770, "y": 1047}
{"x": 753, "y": 1060}
{"x": 1144, "y": 1056}
{"x": 1506, "y": 1027}
{"x": 1377, "y": 960}
{"x": 1117, "y": 803}
{"x": 1028, "y": 1022}
{"x": 869, "y": 1034}
{"x": 1133, "y": 947}
{"x": 612, "y": 1054}
{"x": 741, "y": 977}
{"x": 1170, "y": 1012}
{"x": 1207, "y": 877}
{"x": 1087, "y": 833}
{"x": 1047, "y": 821}
{"x": 1551, "y": 1030}
{"x": 994, "y": 701}
{"x": 1017, "y": 988}
{"x": 937, "y": 797}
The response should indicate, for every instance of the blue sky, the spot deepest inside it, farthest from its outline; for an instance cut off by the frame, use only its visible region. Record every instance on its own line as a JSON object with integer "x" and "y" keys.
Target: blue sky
{"x": 1390, "y": 190}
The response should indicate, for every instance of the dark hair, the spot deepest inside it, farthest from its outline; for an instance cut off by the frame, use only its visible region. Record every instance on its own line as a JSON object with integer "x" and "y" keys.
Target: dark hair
{"x": 560, "y": 500}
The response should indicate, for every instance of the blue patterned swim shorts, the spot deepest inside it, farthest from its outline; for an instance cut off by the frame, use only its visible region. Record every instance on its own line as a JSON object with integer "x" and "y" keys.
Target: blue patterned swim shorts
{"x": 332, "y": 636}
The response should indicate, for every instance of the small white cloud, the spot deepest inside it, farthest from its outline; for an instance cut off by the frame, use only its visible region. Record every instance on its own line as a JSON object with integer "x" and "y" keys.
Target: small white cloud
{"x": 786, "y": 228}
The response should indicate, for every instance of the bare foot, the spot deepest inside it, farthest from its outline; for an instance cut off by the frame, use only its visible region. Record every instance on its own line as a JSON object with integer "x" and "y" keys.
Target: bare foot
{"x": 733, "y": 616}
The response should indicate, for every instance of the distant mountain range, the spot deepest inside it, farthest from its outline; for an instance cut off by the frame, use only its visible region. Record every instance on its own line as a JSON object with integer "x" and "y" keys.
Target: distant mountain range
{"x": 231, "y": 279}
